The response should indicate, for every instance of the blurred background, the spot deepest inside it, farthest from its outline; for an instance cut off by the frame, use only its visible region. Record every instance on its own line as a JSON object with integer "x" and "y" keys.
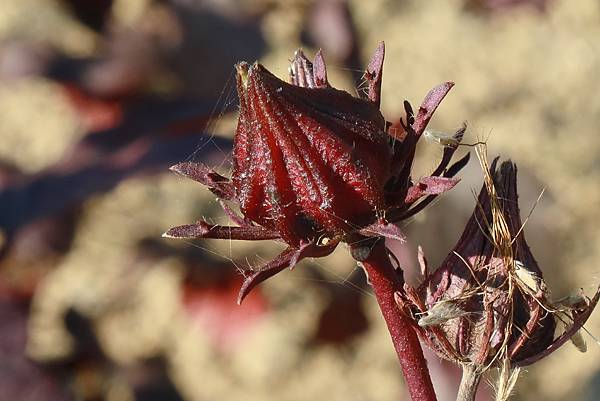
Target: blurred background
{"x": 99, "y": 97}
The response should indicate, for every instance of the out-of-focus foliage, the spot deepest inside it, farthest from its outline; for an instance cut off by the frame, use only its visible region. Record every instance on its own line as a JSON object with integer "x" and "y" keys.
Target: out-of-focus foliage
{"x": 98, "y": 98}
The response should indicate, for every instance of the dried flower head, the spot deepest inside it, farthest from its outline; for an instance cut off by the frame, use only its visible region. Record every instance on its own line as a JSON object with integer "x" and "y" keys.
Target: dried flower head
{"x": 488, "y": 304}
{"x": 314, "y": 166}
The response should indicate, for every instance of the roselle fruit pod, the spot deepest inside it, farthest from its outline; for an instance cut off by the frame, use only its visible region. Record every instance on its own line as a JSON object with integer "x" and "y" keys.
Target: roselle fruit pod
{"x": 314, "y": 166}
{"x": 307, "y": 161}
{"x": 488, "y": 301}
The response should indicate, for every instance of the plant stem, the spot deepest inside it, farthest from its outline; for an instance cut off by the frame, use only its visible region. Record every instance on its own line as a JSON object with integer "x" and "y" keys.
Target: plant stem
{"x": 385, "y": 282}
{"x": 468, "y": 384}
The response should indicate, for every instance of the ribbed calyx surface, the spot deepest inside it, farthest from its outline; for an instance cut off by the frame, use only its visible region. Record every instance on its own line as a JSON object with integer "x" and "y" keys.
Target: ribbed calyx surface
{"x": 308, "y": 162}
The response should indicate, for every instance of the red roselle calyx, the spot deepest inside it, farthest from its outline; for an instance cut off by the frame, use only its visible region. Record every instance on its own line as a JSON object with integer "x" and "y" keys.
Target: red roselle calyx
{"x": 314, "y": 166}
{"x": 310, "y": 161}
{"x": 487, "y": 304}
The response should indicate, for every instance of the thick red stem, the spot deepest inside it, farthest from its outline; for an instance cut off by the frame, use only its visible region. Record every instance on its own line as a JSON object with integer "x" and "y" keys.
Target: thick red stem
{"x": 385, "y": 281}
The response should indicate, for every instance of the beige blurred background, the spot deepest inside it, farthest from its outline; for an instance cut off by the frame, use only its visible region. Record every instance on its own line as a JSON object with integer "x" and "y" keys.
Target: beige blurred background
{"x": 99, "y": 97}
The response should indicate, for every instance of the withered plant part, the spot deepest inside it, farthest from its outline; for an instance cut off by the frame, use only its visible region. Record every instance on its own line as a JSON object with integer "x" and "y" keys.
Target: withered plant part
{"x": 314, "y": 166}
{"x": 488, "y": 305}
{"x": 444, "y": 138}
{"x": 447, "y": 139}
{"x": 441, "y": 312}
{"x": 506, "y": 381}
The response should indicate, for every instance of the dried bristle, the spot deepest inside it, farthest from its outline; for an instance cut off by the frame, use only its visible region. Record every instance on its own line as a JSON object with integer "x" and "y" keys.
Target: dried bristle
{"x": 499, "y": 230}
{"x": 507, "y": 379}
{"x": 526, "y": 279}
{"x": 500, "y": 238}
{"x": 443, "y": 138}
{"x": 441, "y": 312}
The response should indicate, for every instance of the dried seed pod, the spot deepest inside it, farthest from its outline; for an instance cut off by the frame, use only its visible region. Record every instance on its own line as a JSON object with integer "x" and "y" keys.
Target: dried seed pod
{"x": 505, "y": 314}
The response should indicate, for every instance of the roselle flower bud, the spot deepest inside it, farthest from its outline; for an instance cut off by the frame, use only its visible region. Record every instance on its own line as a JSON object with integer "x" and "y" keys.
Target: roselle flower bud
{"x": 307, "y": 162}
{"x": 488, "y": 303}
{"x": 314, "y": 166}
